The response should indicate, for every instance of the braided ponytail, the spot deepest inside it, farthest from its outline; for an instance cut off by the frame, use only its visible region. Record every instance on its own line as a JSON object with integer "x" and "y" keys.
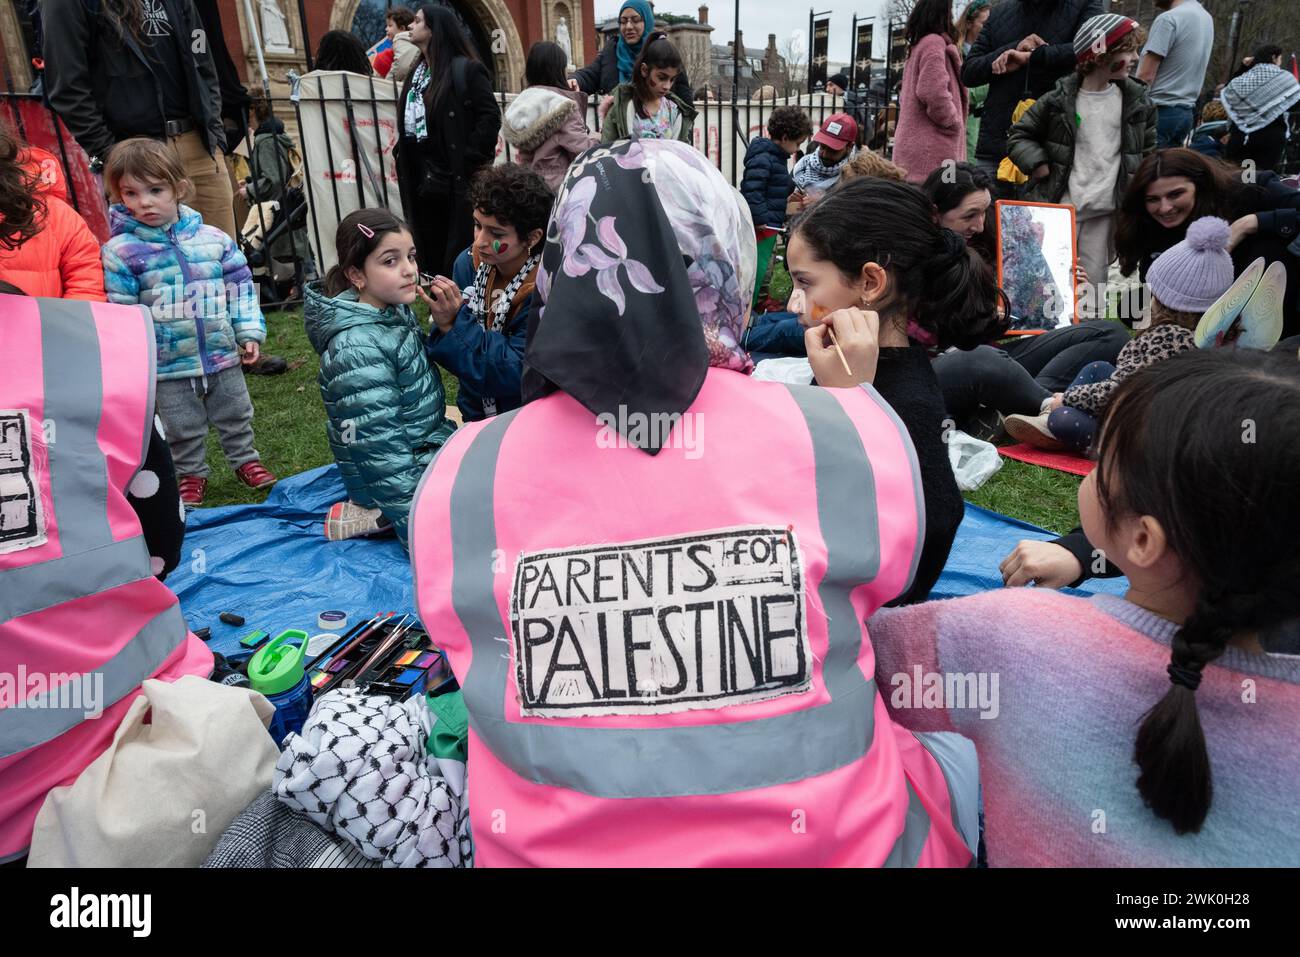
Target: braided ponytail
{"x": 1175, "y": 779}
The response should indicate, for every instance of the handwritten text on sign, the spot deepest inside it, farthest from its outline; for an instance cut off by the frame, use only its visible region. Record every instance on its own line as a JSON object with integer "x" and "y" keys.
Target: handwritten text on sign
{"x": 660, "y": 625}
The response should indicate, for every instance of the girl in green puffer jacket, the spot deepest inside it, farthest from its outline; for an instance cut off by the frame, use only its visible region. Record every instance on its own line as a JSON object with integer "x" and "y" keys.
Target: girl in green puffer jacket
{"x": 386, "y": 407}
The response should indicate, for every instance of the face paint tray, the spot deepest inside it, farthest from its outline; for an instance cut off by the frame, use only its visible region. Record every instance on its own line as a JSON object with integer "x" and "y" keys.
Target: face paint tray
{"x": 378, "y": 664}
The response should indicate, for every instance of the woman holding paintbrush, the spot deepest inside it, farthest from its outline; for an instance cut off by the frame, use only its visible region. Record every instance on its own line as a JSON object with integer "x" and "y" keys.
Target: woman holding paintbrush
{"x": 882, "y": 285}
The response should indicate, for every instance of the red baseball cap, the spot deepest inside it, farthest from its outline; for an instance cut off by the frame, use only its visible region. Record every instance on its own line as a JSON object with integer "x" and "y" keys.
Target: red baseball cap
{"x": 839, "y": 130}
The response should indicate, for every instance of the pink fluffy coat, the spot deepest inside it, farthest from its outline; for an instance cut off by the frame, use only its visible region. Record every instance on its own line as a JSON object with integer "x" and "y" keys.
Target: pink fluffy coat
{"x": 932, "y": 108}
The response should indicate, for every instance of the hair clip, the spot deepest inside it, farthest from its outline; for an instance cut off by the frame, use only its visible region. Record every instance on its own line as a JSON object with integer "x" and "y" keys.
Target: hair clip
{"x": 366, "y": 231}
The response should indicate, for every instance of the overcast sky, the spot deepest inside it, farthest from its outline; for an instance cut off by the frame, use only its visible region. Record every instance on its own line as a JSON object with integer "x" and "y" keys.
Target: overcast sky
{"x": 758, "y": 18}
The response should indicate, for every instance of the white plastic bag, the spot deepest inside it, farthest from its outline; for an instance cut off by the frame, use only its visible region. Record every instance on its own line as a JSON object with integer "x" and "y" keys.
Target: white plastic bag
{"x": 792, "y": 370}
{"x": 973, "y": 460}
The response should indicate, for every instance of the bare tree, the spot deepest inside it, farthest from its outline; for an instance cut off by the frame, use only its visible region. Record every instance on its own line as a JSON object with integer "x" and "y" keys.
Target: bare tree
{"x": 1263, "y": 21}
{"x": 900, "y": 10}
{"x": 794, "y": 54}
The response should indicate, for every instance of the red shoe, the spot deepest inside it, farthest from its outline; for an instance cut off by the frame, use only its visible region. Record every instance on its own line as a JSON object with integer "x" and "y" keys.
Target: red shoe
{"x": 255, "y": 475}
{"x": 192, "y": 488}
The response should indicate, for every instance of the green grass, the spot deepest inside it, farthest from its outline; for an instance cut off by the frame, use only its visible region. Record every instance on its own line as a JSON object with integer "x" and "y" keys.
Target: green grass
{"x": 288, "y": 419}
{"x": 289, "y": 425}
{"x": 1032, "y": 494}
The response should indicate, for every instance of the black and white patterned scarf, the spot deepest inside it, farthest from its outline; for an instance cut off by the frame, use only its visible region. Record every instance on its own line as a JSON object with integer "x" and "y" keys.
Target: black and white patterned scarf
{"x": 476, "y": 296}
{"x": 360, "y": 769}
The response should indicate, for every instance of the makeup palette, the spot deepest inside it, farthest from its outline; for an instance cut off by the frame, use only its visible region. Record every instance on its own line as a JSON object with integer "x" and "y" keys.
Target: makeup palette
{"x": 385, "y": 655}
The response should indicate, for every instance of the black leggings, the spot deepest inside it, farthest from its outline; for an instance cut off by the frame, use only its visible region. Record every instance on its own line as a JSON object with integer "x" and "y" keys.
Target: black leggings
{"x": 1017, "y": 378}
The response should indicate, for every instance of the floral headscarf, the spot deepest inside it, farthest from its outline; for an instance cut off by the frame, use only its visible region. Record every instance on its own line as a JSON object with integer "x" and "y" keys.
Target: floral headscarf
{"x": 647, "y": 275}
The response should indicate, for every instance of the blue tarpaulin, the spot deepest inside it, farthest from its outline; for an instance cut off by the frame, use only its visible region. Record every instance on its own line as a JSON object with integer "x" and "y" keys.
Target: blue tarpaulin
{"x": 272, "y": 565}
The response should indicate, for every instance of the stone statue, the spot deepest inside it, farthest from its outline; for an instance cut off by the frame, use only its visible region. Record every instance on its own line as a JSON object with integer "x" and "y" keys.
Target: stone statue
{"x": 562, "y": 38}
{"x": 275, "y": 31}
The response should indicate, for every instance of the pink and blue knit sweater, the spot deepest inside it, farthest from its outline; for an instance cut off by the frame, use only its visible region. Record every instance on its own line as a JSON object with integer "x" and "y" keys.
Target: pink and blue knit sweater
{"x": 1074, "y": 678}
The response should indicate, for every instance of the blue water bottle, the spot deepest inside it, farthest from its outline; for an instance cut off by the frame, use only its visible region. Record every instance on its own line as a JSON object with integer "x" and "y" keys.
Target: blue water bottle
{"x": 277, "y": 671}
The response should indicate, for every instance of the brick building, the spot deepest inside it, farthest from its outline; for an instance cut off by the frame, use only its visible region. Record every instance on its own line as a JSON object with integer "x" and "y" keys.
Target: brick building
{"x": 503, "y": 30}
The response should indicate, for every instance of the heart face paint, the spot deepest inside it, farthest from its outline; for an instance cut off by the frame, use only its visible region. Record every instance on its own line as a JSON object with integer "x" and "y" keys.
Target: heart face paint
{"x": 499, "y": 247}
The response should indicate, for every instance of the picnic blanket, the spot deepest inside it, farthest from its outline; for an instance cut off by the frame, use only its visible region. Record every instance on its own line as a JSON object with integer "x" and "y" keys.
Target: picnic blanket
{"x": 272, "y": 565}
{"x": 1061, "y": 461}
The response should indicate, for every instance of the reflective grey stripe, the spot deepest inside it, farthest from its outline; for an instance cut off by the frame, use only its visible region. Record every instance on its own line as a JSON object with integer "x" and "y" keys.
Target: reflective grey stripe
{"x": 39, "y": 720}
{"x": 956, "y": 757}
{"x": 32, "y": 588}
{"x": 916, "y": 482}
{"x": 73, "y": 398}
{"x": 702, "y": 759}
{"x": 916, "y": 829}
{"x": 5, "y": 859}
{"x": 152, "y": 389}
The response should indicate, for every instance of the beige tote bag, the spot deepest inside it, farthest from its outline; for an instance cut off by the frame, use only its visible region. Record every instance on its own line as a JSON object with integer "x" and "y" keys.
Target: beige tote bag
{"x": 188, "y": 756}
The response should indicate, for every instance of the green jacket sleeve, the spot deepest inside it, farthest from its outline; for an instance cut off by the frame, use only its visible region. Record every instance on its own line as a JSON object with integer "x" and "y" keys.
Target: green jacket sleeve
{"x": 1027, "y": 138}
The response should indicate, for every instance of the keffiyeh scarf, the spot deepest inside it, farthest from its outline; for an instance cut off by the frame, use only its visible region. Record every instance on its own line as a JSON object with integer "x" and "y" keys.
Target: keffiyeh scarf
{"x": 361, "y": 769}
{"x": 813, "y": 176}
{"x": 416, "y": 122}
{"x": 1259, "y": 96}
{"x": 476, "y": 296}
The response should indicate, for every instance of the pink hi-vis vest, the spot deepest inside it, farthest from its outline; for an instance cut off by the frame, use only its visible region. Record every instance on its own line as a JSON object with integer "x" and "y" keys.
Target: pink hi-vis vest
{"x": 82, "y": 619}
{"x": 664, "y": 658}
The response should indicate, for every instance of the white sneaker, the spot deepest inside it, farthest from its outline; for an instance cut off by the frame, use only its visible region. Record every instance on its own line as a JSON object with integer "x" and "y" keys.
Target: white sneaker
{"x": 349, "y": 520}
{"x": 1033, "y": 430}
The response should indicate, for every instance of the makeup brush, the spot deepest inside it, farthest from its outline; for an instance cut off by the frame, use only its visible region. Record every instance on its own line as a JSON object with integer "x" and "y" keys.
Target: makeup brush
{"x": 398, "y": 631}
{"x": 376, "y": 622}
{"x": 819, "y": 313}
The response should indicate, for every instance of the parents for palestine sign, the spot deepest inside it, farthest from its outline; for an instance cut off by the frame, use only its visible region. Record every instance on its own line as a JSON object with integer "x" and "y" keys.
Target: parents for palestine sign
{"x": 660, "y": 625}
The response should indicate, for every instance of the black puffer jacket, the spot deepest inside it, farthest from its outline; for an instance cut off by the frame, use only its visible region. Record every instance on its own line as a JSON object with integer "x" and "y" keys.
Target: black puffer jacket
{"x": 103, "y": 88}
{"x": 601, "y": 74}
{"x": 1047, "y": 133}
{"x": 1055, "y": 21}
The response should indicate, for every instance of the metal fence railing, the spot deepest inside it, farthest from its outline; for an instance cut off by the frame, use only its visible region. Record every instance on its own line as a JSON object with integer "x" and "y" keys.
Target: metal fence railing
{"x": 345, "y": 126}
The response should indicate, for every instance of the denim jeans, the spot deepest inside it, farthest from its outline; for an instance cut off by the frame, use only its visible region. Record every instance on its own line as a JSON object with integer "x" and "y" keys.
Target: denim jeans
{"x": 1173, "y": 125}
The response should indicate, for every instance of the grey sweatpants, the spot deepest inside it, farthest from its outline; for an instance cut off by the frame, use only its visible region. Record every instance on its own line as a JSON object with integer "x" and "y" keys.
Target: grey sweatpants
{"x": 188, "y": 406}
{"x": 1094, "y": 241}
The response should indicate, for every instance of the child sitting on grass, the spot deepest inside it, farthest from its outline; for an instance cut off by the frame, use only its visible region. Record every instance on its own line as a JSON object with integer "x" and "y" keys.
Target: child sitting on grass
{"x": 1101, "y": 751}
{"x": 1184, "y": 281}
{"x": 205, "y": 311}
{"x": 386, "y": 406}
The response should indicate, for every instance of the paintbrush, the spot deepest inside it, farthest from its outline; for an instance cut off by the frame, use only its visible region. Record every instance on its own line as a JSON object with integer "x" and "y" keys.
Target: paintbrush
{"x": 398, "y": 630}
{"x": 376, "y": 622}
{"x": 340, "y": 641}
{"x": 818, "y": 314}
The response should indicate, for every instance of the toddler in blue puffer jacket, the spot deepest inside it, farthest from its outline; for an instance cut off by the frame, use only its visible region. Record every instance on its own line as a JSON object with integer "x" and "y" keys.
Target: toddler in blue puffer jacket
{"x": 207, "y": 319}
{"x": 767, "y": 184}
